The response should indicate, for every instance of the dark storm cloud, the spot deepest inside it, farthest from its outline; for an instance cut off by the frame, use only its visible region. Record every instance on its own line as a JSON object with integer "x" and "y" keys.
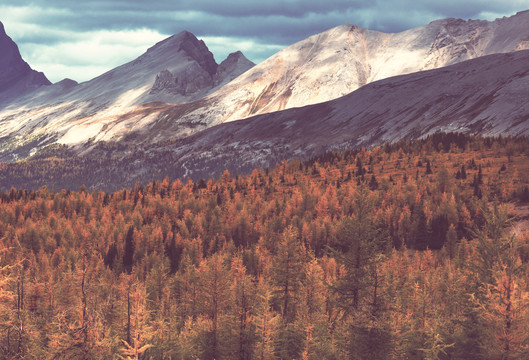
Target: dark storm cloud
{"x": 280, "y": 21}
{"x": 269, "y": 20}
{"x": 268, "y": 24}
{"x": 229, "y": 8}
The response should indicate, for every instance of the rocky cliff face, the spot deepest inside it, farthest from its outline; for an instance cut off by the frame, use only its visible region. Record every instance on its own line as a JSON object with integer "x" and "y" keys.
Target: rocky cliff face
{"x": 191, "y": 79}
{"x": 199, "y": 76}
{"x": 234, "y": 65}
{"x": 16, "y": 76}
{"x": 187, "y": 82}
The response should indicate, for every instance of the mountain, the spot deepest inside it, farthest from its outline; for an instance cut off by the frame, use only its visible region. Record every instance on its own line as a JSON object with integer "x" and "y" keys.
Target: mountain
{"x": 133, "y": 98}
{"x": 234, "y": 65}
{"x": 175, "y": 70}
{"x": 16, "y": 76}
{"x": 323, "y": 67}
{"x": 162, "y": 97}
{"x": 336, "y": 62}
{"x": 484, "y": 96}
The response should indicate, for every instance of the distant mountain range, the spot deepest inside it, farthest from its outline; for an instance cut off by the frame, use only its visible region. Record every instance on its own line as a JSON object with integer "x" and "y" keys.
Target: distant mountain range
{"x": 345, "y": 87}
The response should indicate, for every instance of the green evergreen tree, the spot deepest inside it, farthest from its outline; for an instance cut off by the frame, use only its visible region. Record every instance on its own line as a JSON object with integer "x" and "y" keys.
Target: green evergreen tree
{"x": 359, "y": 241}
{"x": 288, "y": 274}
{"x": 428, "y": 168}
{"x": 128, "y": 252}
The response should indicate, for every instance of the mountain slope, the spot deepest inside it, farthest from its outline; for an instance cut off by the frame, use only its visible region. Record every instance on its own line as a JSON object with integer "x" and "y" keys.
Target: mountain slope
{"x": 334, "y": 63}
{"x": 327, "y": 66}
{"x": 126, "y": 104}
{"x": 485, "y": 96}
{"x": 16, "y": 76}
{"x": 177, "y": 69}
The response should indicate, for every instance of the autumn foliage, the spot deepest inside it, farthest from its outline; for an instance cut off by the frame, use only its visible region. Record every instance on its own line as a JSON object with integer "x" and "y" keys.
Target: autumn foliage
{"x": 416, "y": 250}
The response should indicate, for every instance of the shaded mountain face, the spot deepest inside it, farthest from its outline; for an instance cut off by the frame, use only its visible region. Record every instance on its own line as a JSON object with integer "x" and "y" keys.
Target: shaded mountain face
{"x": 234, "y": 65}
{"x": 201, "y": 76}
{"x": 16, "y": 76}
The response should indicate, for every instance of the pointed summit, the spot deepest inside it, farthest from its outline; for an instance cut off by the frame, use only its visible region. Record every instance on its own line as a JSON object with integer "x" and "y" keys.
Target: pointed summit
{"x": 235, "y": 56}
{"x": 234, "y": 65}
{"x": 188, "y": 44}
{"x": 16, "y": 76}
{"x": 202, "y": 73}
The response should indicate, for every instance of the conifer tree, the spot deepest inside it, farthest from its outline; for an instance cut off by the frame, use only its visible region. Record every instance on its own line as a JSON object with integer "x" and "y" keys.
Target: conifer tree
{"x": 288, "y": 274}
{"x": 8, "y": 320}
{"x": 451, "y": 241}
{"x": 421, "y": 234}
{"x": 288, "y": 280}
{"x": 428, "y": 168}
{"x": 504, "y": 297}
{"x": 214, "y": 297}
{"x": 266, "y": 321}
{"x": 140, "y": 331}
{"x": 243, "y": 304}
{"x": 128, "y": 252}
{"x": 359, "y": 240}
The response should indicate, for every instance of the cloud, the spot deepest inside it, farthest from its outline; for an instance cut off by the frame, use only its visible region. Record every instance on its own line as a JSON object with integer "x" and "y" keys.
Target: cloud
{"x": 83, "y": 56}
{"x": 61, "y": 36}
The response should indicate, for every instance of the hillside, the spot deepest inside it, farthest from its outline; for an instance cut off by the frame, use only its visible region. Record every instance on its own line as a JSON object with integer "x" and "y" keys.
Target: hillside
{"x": 176, "y": 70}
{"x": 337, "y": 62}
{"x": 485, "y": 96}
{"x": 321, "y": 260}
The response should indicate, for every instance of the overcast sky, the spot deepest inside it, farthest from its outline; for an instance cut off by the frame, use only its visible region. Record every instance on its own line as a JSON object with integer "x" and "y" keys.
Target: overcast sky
{"x": 82, "y": 39}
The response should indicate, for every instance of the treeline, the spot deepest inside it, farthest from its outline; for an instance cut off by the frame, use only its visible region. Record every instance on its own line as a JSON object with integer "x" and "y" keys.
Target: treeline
{"x": 408, "y": 251}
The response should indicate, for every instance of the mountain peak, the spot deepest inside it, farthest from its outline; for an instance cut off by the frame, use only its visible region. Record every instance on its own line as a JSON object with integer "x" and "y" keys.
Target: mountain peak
{"x": 234, "y": 65}
{"x": 235, "y": 56}
{"x": 174, "y": 41}
{"x": 347, "y": 27}
{"x": 67, "y": 83}
{"x": 188, "y": 44}
{"x": 520, "y": 16}
{"x": 186, "y": 35}
{"x": 16, "y": 76}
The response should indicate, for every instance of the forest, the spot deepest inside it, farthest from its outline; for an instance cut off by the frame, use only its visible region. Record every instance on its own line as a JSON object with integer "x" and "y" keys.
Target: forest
{"x": 413, "y": 250}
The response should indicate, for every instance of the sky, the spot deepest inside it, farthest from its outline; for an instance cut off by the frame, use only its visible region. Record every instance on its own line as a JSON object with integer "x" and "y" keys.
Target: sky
{"x": 83, "y": 39}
